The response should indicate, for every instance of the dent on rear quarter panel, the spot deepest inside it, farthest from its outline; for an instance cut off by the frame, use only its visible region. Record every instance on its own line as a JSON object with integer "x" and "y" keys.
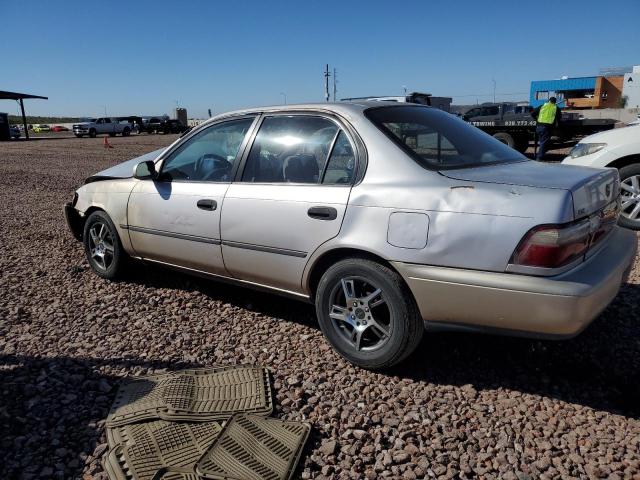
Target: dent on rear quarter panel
{"x": 476, "y": 226}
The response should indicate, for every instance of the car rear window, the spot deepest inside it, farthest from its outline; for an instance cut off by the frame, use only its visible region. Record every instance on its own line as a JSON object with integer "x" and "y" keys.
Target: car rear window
{"x": 439, "y": 140}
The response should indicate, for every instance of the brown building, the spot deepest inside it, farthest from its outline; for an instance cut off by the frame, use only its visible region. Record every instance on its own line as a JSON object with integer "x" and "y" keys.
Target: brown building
{"x": 582, "y": 92}
{"x": 606, "y": 94}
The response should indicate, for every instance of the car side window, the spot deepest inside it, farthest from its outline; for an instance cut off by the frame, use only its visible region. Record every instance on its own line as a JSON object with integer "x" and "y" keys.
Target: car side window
{"x": 107, "y": 120}
{"x": 290, "y": 149}
{"x": 493, "y": 110}
{"x": 342, "y": 161}
{"x": 208, "y": 156}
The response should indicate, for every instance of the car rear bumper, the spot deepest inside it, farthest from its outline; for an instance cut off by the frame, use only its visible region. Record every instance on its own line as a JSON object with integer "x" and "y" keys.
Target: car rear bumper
{"x": 74, "y": 221}
{"x": 555, "y": 307}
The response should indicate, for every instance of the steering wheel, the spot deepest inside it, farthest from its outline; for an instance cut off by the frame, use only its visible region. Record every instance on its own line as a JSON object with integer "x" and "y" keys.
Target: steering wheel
{"x": 221, "y": 166}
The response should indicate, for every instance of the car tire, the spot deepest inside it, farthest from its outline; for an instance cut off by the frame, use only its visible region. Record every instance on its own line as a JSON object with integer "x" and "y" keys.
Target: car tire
{"x": 92, "y": 133}
{"x": 505, "y": 138}
{"x": 626, "y": 175}
{"x": 102, "y": 246}
{"x": 522, "y": 144}
{"x": 386, "y": 327}
{"x": 126, "y": 132}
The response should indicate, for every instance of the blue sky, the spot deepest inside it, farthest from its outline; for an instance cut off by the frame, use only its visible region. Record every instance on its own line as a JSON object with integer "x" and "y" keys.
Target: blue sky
{"x": 143, "y": 56}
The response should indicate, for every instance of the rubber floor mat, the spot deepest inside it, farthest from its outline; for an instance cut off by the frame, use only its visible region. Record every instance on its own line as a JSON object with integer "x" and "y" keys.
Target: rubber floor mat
{"x": 193, "y": 395}
{"x": 143, "y": 451}
{"x": 172, "y": 475}
{"x": 252, "y": 447}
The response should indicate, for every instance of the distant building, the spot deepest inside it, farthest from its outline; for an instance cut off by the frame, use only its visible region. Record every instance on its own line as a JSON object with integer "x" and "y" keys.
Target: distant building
{"x": 631, "y": 87}
{"x": 181, "y": 115}
{"x": 580, "y": 92}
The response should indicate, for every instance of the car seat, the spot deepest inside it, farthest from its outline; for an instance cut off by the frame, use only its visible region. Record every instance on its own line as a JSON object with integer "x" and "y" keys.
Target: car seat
{"x": 300, "y": 168}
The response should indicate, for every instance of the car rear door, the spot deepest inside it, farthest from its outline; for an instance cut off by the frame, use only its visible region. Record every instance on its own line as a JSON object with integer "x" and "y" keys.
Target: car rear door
{"x": 289, "y": 198}
{"x": 175, "y": 219}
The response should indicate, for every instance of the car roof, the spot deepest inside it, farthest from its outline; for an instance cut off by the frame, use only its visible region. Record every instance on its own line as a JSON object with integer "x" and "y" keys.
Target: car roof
{"x": 341, "y": 108}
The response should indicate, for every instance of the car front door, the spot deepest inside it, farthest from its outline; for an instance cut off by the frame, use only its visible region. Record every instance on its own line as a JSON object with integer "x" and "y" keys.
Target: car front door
{"x": 289, "y": 199}
{"x": 175, "y": 219}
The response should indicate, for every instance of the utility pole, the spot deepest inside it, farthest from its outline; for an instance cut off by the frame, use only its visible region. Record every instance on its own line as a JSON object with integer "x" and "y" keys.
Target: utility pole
{"x": 326, "y": 83}
{"x": 494, "y": 89}
{"x": 335, "y": 88}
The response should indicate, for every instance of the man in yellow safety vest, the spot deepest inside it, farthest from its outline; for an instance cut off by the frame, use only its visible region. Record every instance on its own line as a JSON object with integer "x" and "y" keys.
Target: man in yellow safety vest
{"x": 547, "y": 117}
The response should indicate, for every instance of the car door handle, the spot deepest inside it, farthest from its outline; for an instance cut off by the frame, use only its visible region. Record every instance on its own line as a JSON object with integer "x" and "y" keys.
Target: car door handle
{"x": 207, "y": 204}
{"x": 323, "y": 213}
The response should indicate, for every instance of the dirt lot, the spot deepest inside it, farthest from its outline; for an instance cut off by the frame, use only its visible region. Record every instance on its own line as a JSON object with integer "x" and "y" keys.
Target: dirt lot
{"x": 462, "y": 406}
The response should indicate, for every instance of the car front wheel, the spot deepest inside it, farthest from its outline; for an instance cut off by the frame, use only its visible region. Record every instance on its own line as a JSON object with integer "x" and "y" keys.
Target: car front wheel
{"x": 630, "y": 196}
{"x": 367, "y": 313}
{"x": 102, "y": 246}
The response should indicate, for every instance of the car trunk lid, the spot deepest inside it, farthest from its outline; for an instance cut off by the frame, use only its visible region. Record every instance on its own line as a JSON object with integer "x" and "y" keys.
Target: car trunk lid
{"x": 592, "y": 189}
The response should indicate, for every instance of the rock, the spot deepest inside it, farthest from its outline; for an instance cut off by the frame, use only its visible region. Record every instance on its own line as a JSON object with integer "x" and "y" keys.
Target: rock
{"x": 329, "y": 447}
{"x": 401, "y": 457}
{"x": 359, "y": 434}
{"x": 104, "y": 386}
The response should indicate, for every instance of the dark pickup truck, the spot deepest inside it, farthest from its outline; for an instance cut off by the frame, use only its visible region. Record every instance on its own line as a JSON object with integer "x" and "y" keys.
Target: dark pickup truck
{"x": 513, "y": 124}
{"x": 162, "y": 125}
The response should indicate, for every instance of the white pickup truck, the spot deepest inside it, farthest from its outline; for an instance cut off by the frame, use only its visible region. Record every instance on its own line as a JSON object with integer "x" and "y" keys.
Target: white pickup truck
{"x": 102, "y": 125}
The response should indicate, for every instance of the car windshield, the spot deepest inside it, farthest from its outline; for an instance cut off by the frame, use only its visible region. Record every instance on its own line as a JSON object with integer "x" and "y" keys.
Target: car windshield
{"x": 439, "y": 140}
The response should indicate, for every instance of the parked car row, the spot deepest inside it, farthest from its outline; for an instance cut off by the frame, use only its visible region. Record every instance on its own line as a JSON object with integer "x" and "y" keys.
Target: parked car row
{"x": 390, "y": 218}
{"x": 41, "y": 127}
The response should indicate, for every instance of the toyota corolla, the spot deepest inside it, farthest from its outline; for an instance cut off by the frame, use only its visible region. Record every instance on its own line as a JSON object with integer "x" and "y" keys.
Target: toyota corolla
{"x": 392, "y": 219}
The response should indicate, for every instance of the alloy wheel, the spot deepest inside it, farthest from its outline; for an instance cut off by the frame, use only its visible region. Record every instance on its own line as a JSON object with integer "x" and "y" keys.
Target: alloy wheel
{"x": 359, "y": 313}
{"x": 630, "y": 197}
{"x": 101, "y": 245}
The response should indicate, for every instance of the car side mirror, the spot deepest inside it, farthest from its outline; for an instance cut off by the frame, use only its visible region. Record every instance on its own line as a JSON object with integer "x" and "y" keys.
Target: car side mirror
{"x": 145, "y": 170}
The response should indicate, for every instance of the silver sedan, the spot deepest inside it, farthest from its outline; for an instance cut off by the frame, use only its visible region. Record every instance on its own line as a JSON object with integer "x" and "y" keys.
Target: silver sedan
{"x": 391, "y": 218}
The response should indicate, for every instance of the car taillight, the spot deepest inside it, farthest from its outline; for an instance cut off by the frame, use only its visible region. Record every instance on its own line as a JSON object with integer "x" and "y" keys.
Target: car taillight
{"x": 553, "y": 246}
{"x": 606, "y": 221}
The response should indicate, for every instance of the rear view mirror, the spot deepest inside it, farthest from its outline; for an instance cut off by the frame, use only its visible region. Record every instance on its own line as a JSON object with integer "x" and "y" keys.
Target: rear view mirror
{"x": 145, "y": 170}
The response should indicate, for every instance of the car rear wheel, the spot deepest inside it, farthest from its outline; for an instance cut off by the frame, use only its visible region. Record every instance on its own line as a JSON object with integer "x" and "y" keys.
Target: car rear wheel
{"x": 367, "y": 313}
{"x": 630, "y": 196}
{"x": 102, "y": 246}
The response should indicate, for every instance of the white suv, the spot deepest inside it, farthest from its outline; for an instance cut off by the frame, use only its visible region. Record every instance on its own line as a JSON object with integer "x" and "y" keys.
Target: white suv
{"x": 618, "y": 148}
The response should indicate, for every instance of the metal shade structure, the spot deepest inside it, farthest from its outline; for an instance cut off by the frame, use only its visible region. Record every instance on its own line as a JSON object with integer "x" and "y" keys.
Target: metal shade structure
{"x": 20, "y": 97}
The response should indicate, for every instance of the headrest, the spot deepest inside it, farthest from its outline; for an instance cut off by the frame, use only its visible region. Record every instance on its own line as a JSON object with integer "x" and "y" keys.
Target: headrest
{"x": 300, "y": 168}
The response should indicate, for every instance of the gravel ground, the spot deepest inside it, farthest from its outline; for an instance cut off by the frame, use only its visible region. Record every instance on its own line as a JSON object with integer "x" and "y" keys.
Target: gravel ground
{"x": 463, "y": 406}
